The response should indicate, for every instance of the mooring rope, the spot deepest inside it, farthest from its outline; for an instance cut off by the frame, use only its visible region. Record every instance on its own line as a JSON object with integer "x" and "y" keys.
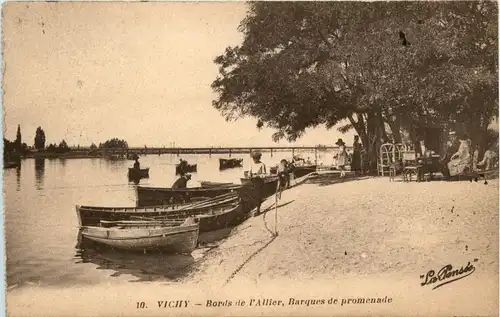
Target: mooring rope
{"x": 240, "y": 267}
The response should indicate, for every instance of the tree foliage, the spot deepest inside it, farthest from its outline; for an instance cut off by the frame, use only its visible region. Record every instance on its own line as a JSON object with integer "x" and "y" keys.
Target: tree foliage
{"x": 114, "y": 143}
{"x": 19, "y": 141}
{"x": 39, "y": 139}
{"x": 406, "y": 65}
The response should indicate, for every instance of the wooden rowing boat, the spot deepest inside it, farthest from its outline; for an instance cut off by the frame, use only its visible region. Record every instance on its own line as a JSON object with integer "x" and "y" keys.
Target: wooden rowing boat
{"x": 138, "y": 173}
{"x": 11, "y": 164}
{"x": 93, "y": 215}
{"x": 172, "y": 238}
{"x": 188, "y": 168}
{"x": 229, "y": 163}
{"x": 209, "y": 219}
{"x": 151, "y": 196}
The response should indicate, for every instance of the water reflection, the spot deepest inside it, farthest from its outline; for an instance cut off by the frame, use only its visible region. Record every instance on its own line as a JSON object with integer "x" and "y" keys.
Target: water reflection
{"x": 145, "y": 267}
{"x": 18, "y": 178}
{"x": 62, "y": 161}
{"x": 39, "y": 173}
{"x": 154, "y": 266}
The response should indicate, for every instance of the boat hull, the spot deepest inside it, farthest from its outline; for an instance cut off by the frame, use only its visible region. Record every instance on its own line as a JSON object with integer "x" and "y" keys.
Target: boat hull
{"x": 210, "y": 219}
{"x": 11, "y": 164}
{"x": 219, "y": 220}
{"x": 249, "y": 193}
{"x": 138, "y": 173}
{"x": 153, "y": 196}
{"x": 230, "y": 163}
{"x": 179, "y": 239}
{"x": 300, "y": 171}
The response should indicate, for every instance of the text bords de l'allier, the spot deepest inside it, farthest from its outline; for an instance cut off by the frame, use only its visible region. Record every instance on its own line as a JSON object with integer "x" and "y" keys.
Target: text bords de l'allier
{"x": 256, "y": 302}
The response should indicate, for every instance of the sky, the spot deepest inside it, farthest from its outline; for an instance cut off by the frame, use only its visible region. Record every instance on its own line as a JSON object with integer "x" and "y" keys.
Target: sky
{"x": 86, "y": 72}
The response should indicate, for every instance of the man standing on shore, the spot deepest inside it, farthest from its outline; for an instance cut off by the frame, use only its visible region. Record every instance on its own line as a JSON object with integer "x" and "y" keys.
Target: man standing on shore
{"x": 256, "y": 172}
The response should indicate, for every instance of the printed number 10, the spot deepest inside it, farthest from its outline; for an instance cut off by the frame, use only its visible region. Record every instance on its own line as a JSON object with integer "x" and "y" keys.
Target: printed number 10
{"x": 141, "y": 305}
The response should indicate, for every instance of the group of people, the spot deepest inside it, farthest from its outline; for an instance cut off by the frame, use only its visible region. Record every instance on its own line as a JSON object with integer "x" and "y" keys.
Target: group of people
{"x": 342, "y": 157}
{"x": 458, "y": 157}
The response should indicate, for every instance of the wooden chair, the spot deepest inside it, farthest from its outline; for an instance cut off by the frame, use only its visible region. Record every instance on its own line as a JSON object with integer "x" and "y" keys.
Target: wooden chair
{"x": 385, "y": 159}
{"x": 410, "y": 165}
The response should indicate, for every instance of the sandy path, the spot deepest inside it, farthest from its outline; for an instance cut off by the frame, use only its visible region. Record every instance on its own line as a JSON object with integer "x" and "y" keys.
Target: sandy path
{"x": 362, "y": 229}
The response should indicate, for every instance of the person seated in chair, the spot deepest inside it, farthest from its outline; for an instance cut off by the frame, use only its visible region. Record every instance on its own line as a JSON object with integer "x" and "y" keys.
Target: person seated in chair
{"x": 461, "y": 159}
{"x": 450, "y": 149}
{"x": 488, "y": 162}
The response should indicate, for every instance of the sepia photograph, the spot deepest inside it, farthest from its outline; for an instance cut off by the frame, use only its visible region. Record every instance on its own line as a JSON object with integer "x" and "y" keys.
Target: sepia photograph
{"x": 318, "y": 158}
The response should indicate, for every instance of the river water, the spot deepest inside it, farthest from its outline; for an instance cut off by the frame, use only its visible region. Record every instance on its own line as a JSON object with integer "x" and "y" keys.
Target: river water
{"x": 41, "y": 225}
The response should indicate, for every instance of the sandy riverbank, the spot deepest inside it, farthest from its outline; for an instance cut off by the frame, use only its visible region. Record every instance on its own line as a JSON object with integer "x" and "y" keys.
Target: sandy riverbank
{"x": 366, "y": 237}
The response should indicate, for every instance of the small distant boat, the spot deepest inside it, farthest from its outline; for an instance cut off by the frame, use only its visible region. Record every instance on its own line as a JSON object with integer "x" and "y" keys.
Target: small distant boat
{"x": 154, "y": 196}
{"x": 172, "y": 237}
{"x": 189, "y": 168}
{"x": 229, "y": 163}
{"x": 11, "y": 164}
{"x": 135, "y": 173}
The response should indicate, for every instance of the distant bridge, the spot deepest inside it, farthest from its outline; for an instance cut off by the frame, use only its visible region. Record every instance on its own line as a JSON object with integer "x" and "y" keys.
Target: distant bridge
{"x": 204, "y": 150}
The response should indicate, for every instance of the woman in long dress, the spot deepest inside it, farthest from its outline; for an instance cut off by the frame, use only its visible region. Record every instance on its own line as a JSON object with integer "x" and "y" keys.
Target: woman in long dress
{"x": 461, "y": 159}
{"x": 356, "y": 156}
{"x": 341, "y": 157}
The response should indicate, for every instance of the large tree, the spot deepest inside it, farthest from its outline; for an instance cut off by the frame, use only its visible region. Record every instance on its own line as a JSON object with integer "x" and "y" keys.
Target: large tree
{"x": 408, "y": 66}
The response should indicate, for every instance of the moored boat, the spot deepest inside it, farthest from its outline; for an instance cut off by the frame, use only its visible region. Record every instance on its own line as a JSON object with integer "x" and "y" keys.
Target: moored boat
{"x": 138, "y": 173}
{"x": 151, "y": 196}
{"x": 11, "y": 164}
{"x": 93, "y": 215}
{"x": 188, "y": 168}
{"x": 230, "y": 163}
{"x": 209, "y": 219}
{"x": 144, "y": 235}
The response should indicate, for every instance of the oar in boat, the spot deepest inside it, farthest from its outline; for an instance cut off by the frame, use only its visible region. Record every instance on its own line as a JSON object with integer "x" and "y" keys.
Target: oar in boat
{"x": 139, "y": 223}
{"x": 219, "y": 199}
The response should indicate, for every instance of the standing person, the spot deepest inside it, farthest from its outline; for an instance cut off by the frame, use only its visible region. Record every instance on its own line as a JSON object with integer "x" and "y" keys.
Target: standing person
{"x": 341, "y": 157}
{"x": 137, "y": 165}
{"x": 257, "y": 172}
{"x": 283, "y": 177}
{"x": 421, "y": 149}
{"x": 356, "y": 156}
